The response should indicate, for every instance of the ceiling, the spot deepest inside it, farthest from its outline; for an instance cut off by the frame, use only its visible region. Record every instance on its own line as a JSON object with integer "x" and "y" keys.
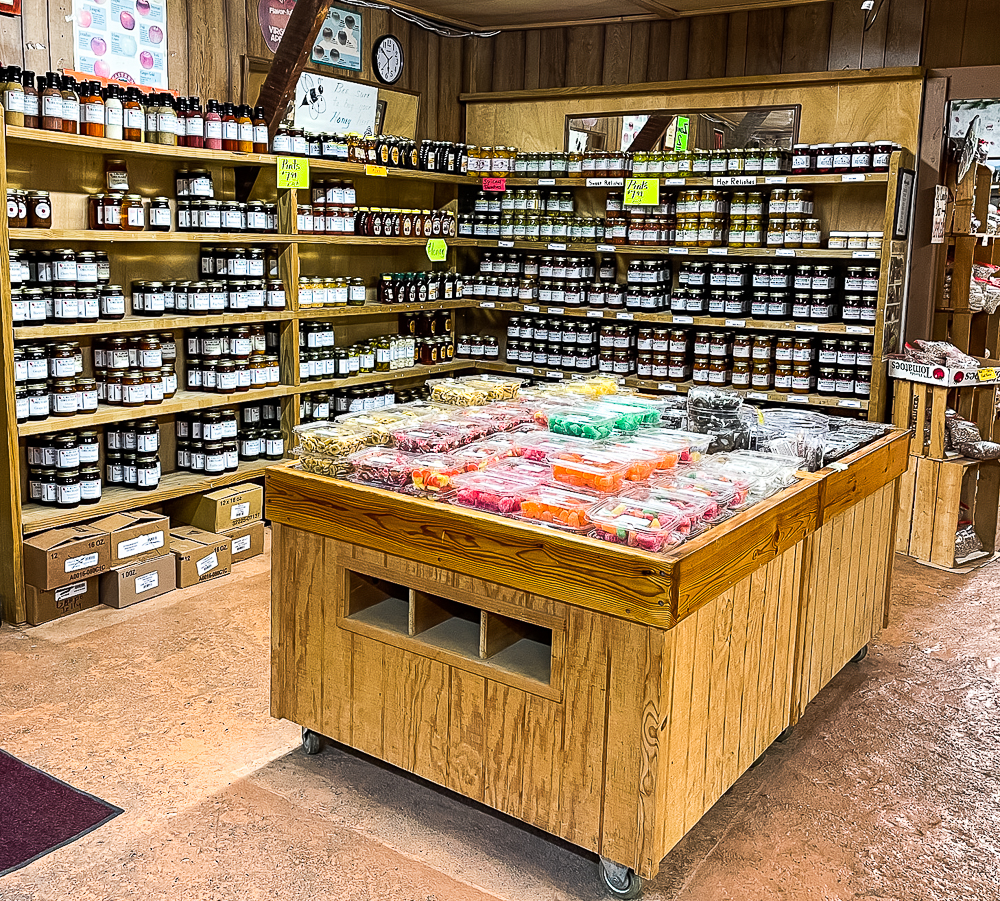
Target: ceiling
{"x": 509, "y": 14}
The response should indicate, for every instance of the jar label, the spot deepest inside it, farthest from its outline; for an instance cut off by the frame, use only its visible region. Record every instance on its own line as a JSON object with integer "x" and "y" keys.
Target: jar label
{"x": 65, "y": 403}
{"x": 62, "y": 367}
{"x": 68, "y": 458}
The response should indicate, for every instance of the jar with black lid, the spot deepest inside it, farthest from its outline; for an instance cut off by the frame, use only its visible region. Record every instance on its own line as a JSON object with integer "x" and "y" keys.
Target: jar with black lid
{"x": 826, "y": 381}
{"x": 130, "y": 474}
{"x": 273, "y": 444}
{"x": 845, "y": 381}
{"x": 67, "y": 488}
{"x": 147, "y": 467}
{"x": 90, "y": 483}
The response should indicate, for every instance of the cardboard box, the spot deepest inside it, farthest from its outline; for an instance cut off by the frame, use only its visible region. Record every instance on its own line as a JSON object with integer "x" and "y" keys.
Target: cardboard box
{"x": 44, "y": 606}
{"x": 136, "y": 536}
{"x": 942, "y": 376}
{"x": 246, "y": 541}
{"x": 219, "y": 510}
{"x": 62, "y": 556}
{"x": 128, "y": 585}
{"x": 199, "y": 555}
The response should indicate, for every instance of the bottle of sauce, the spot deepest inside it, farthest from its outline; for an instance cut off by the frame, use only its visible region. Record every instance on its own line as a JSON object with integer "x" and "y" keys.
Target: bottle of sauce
{"x": 70, "y": 106}
{"x": 13, "y": 97}
{"x": 182, "y": 112}
{"x": 230, "y": 128}
{"x": 134, "y": 116}
{"x": 166, "y": 121}
{"x": 259, "y": 130}
{"x": 152, "y": 118}
{"x": 51, "y": 102}
{"x": 213, "y": 126}
{"x": 92, "y": 123}
{"x": 31, "y": 111}
{"x": 244, "y": 130}
{"x": 114, "y": 113}
{"x": 195, "y": 123}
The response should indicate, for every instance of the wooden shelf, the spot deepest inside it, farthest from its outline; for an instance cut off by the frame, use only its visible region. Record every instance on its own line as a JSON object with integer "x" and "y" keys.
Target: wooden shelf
{"x": 871, "y": 178}
{"x": 382, "y": 309}
{"x": 806, "y": 328}
{"x": 358, "y": 170}
{"x": 35, "y": 137}
{"x": 36, "y": 518}
{"x": 667, "y": 250}
{"x": 129, "y": 324}
{"x": 181, "y": 402}
{"x": 378, "y": 378}
{"x": 75, "y": 236}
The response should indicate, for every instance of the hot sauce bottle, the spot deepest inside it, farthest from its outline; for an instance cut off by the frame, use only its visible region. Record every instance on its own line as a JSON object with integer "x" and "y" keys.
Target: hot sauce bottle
{"x": 134, "y": 116}
{"x": 213, "y": 126}
{"x": 259, "y": 130}
{"x": 52, "y": 102}
{"x": 70, "y": 106}
{"x": 195, "y": 124}
{"x": 245, "y": 130}
{"x": 230, "y": 128}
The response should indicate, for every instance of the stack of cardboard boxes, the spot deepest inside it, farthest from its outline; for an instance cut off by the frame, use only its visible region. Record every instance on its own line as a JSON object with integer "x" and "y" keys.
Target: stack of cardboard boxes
{"x": 130, "y": 557}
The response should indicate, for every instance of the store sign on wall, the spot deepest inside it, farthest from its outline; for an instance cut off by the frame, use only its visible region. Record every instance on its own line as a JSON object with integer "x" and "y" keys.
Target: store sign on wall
{"x": 273, "y": 18}
{"x": 122, "y": 40}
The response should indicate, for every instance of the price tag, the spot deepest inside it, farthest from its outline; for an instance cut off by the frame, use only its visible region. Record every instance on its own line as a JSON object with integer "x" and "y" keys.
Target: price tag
{"x": 852, "y": 177}
{"x": 674, "y": 182}
{"x": 505, "y": 243}
{"x": 734, "y": 181}
{"x": 524, "y": 370}
{"x": 756, "y": 395}
{"x": 495, "y": 184}
{"x": 683, "y": 320}
{"x": 605, "y": 248}
{"x": 859, "y": 330}
{"x": 604, "y": 182}
{"x": 531, "y": 308}
{"x": 543, "y": 182}
{"x": 437, "y": 250}
{"x": 856, "y": 404}
{"x": 557, "y": 246}
{"x": 626, "y": 316}
{"x": 293, "y": 172}
{"x": 666, "y": 386}
{"x": 775, "y": 180}
{"x": 784, "y": 252}
{"x": 986, "y": 375}
{"x": 796, "y": 398}
{"x": 864, "y": 255}
{"x": 718, "y": 251}
{"x": 487, "y": 304}
{"x": 736, "y": 323}
{"x": 379, "y": 171}
{"x": 806, "y": 327}
{"x": 595, "y": 314}
{"x": 642, "y": 192}
{"x": 554, "y": 311}
{"x": 677, "y": 251}
{"x": 554, "y": 374}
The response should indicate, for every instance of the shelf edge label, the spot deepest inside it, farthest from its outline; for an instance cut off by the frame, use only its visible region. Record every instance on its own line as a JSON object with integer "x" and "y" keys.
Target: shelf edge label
{"x": 378, "y": 171}
{"x": 604, "y": 182}
{"x": 734, "y": 181}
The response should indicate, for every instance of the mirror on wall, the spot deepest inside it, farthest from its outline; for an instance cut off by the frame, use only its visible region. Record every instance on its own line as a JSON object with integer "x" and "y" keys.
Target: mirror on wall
{"x": 667, "y": 130}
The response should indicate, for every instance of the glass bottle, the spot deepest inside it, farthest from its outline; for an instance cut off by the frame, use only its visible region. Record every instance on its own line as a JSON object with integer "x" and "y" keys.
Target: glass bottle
{"x": 244, "y": 130}
{"x": 32, "y": 112}
{"x": 133, "y": 126}
{"x": 51, "y": 99}
{"x": 166, "y": 121}
{"x": 114, "y": 113}
{"x": 195, "y": 123}
{"x": 70, "y": 105}
{"x": 13, "y": 97}
{"x": 230, "y": 128}
{"x": 92, "y": 121}
{"x": 259, "y": 130}
{"x": 213, "y": 126}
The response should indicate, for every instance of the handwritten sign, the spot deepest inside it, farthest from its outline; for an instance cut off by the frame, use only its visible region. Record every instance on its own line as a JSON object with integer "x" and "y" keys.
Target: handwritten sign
{"x": 987, "y": 375}
{"x": 495, "y": 184}
{"x": 293, "y": 172}
{"x": 380, "y": 171}
{"x": 437, "y": 250}
{"x": 642, "y": 192}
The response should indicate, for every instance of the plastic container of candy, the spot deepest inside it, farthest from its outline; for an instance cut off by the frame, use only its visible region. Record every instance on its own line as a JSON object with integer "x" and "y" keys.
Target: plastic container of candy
{"x": 642, "y": 461}
{"x": 691, "y": 446}
{"x": 493, "y": 492}
{"x": 725, "y": 490}
{"x": 649, "y": 526}
{"x": 436, "y": 437}
{"x": 485, "y": 453}
{"x": 383, "y": 466}
{"x": 457, "y": 393}
{"x": 433, "y": 473}
{"x": 560, "y": 507}
{"x": 699, "y": 511}
{"x": 766, "y": 473}
{"x": 633, "y": 412}
{"x": 321, "y": 464}
{"x": 590, "y": 422}
{"x": 540, "y": 446}
{"x": 331, "y": 439}
{"x": 589, "y": 470}
{"x": 497, "y": 387}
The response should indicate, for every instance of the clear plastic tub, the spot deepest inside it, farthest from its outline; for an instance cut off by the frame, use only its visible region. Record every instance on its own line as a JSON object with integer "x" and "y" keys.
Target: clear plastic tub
{"x": 562, "y": 508}
{"x": 497, "y": 387}
{"x": 436, "y": 437}
{"x": 691, "y": 446}
{"x": 766, "y": 473}
{"x": 591, "y": 423}
{"x": 485, "y": 453}
{"x": 591, "y": 471}
{"x": 649, "y": 526}
{"x": 725, "y": 490}
{"x": 493, "y": 492}
{"x": 457, "y": 393}
{"x": 542, "y": 445}
{"x": 642, "y": 461}
{"x": 381, "y": 466}
{"x": 633, "y": 413}
{"x": 433, "y": 473}
{"x": 699, "y": 511}
{"x": 321, "y": 464}
{"x": 331, "y": 439}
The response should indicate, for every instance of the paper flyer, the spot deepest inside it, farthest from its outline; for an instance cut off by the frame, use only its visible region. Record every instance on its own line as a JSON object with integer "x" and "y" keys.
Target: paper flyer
{"x": 124, "y": 40}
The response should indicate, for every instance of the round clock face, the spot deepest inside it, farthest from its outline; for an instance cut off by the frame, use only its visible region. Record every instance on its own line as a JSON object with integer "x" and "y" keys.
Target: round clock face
{"x": 387, "y": 59}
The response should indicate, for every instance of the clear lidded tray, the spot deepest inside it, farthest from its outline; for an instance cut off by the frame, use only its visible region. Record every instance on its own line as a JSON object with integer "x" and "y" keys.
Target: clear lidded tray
{"x": 559, "y": 507}
{"x": 589, "y": 470}
{"x": 648, "y": 526}
{"x": 384, "y": 466}
{"x": 493, "y": 492}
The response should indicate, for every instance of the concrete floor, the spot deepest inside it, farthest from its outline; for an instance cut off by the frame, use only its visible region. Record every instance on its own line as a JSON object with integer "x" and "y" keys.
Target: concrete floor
{"x": 888, "y": 788}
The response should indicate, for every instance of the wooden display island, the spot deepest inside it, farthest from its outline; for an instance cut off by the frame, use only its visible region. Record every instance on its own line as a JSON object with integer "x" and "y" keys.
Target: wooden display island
{"x": 605, "y": 695}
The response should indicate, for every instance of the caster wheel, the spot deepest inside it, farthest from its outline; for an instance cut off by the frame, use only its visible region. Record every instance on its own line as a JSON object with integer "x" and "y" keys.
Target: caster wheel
{"x": 857, "y": 658}
{"x": 619, "y": 881}
{"x": 785, "y": 734}
{"x": 312, "y": 742}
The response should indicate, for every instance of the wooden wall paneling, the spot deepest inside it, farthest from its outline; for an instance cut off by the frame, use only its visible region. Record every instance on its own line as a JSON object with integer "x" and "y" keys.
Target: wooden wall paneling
{"x": 478, "y": 65}
{"x": 450, "y": 124}
{"x": 736, "y": 44}
{"x": 707, "y": 43}
{"x": 846, "y": 25}
{"x": 376, "y": 23}
{"x": 177, "y": 47}
{"x": 552, "y": 65}
{"x": 236, "y": 28}
{"x": 751, "y": 669}
{"x": 685, "y": 638}
{"x": 806, "y": 40}
{"x": 208, "y": 68}
{"x": 701, "y": 700}
{"x": 658, "y": 54}
{"x": 416, "y": 62}
{"x": 35, "y": 32}
{"x": 508, "y": 61}
{"x": 532, "y": 58}
{"x": 617, "y": 53}
{"x": 873, "y": 41}
{"x": 11, "y": 41}
{"x": 431, "y": 100}
{"x": 584, "y": 53}
{"x": 402, "y": 30}
{"x": 721, "y": 662}
{"x": 61, "y": 34}
{"x": 734, "y": 682}
{"x": 944, "y": 31}
{"x": 765, "y": 34}
{"x": 905, "y": 32}
{"x": 677, "y": 62}
{"x": 256, "y": 45}
{"x": 979, "y": 44}
{"x": 639, "y": 52}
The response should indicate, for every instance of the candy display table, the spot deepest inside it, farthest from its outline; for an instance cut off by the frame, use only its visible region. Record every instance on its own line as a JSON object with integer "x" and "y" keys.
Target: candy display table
{"x": 601, "y": 693}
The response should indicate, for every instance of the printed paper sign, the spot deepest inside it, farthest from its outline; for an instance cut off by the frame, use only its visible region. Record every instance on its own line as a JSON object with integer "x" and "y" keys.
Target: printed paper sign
{"x": 124, "y": 40}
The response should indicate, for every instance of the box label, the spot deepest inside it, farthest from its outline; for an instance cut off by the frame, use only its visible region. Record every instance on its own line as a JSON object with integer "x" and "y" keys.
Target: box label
{"x": 139, "y": 545}
{"x": 239, "y": 511}
{"x": 241, "y": 544}
{"x": 207, "y": 564}
{"x": 147, "y": 582}
{"x": 74, "y": 564}
{"x": 70, "y": 591}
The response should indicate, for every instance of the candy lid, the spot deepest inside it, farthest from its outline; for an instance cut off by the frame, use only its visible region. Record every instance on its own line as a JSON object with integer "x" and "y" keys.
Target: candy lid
{"x": 723, "y": 489}
{"x": 649, "y": 525}
{"x": 699, "y": 510}
{"x": 590, "y": 470}
{"x": 433, "y": 472}
{"x": 497, "y": 492}
{"x": 452, "y": 391}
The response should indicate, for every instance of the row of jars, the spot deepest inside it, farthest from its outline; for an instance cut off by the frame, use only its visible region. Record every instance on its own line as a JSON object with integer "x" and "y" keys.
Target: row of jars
{"x": 532, "y": 227}
{"x": 235, "y": 296}
{"x": 236, "y": 341}
{"x": 28, "y": 209}
{"x": 418, "y": 287}
{"x": 238, "y": 262}
{"x": 391, "y": 151}
{"x": 333, "y": 192}
{"x": 564, "y": 357}
{"x": 64, "y": 267}
{"x": 385, "y": 354}
{"x": 761, "y": 304}
{"x": 230, "y": 375}
{"x": 573, "y": 268}
{"x": 778, "y": 276}
{"x": 335, "y": 291}
{"x": 321, "y": 406}
{"x": 393, "y": 223}
{"x": 427, "y": 324}
{"x": 715, "y": 202}
{"x": 229, "y": 216}
{"x": 521, "y": 200}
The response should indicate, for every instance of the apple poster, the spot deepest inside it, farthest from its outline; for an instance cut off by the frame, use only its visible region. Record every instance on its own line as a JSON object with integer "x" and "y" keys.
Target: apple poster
{"x": 124, "y": 40}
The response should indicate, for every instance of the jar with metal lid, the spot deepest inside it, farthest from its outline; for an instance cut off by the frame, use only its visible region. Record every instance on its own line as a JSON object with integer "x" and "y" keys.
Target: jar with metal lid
{"x": 87, "y": 390}
{"x": 147, "y": 470}
{"x": 700, "y": 370}
{"x": 159, "y": 214}
{"x": 133, "y": 388}
{"x": 847, "y": 353}
{"x": 778, "y": 305}
{"x": 62, "y": 361}
{"x": 763, "y": 347}
{"x": 67, "y": 483}
{"x": 719, "y": 345}
{"x": 822, "y": 309}
{"x": 783, "y": 377}
{"x": 762, "y": 375}
{"x": 742, "y": 346}
{"x": 718, "y": 371}
{"x": 802, "y": 378}
{"x": 67, "y": 452}
{"x": 88, "y": 446}
{"x": 741, "y": 373}
{"x": 197, "y": 456}
{"x": 842, "y": 152}
{"x": 39, "y": 208}
{"x": 132, "y": 213}
{"x": 38, "y": 401}
{"x": 90, "y": 483}
{"x": 801, "y": 305}
{"x": 64, "y": 398}
{"x": 63, "y": 268}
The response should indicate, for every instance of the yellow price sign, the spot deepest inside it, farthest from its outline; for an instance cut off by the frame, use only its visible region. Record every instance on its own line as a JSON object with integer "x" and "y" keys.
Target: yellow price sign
{"x": 380, "y": 171}
{"x": 987, "y": 375}
{"x": 642, "y": 191}
{"x": 437, "y": 250}
{"x": 293, "y": 172}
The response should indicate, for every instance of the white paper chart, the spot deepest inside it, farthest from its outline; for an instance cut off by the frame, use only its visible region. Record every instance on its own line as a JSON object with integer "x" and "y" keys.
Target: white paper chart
{"x": 125, "y": 40}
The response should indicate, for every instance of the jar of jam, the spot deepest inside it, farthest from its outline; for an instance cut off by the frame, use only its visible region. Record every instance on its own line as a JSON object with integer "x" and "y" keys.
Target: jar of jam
{"x": 783, "y": 377}
{"x": 39, "y": 205}
{"x": 803, "y": 159}
{"x": 763, "y": 348}
{"x": 64, "y": 398}
{"x": 861, "y": 156}
{"x": 842, "y": 153}
{"x": 718, "y": 371}
{"x": 742, "y": 346}
{"x": 881, "y": 155}
{"x": 802, "y": 380}
{"x": 741, "y": 373}
{"x": 826, "y": 381}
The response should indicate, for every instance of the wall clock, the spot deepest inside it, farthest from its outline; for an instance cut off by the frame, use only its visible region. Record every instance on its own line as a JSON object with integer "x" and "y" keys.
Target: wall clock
{"x": 387, "y": 59}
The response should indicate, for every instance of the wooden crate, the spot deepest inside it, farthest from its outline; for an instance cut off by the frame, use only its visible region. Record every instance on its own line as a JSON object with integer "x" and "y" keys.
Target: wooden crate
{"x": 912, "y": 400}
{"x": 931, "y": 499}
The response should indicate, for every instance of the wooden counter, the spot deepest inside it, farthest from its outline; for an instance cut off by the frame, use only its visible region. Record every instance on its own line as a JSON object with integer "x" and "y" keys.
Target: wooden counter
{"x": 606, "y": 695}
